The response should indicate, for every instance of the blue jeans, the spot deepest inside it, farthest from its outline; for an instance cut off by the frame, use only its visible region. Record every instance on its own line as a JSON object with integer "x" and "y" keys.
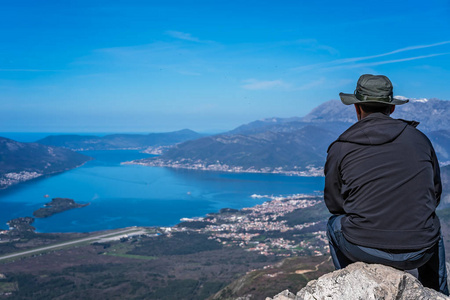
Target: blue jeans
{"x": 430, "y": 262}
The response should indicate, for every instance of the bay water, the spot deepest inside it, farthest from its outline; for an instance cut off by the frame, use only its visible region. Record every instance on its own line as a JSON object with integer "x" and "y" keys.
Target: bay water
{"x": 134, "y": 195}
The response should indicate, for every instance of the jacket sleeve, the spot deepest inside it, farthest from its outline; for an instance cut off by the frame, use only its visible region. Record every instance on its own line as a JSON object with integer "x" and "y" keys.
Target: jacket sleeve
{"x": 333, "y": 182}
{"x": 437, "y": 178}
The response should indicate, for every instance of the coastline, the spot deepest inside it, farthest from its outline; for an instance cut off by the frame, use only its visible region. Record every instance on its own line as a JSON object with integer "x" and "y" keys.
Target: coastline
{"x": 226, "y": 226}
{"x": 309, "y": 171}
{"x": 8, "y": 180}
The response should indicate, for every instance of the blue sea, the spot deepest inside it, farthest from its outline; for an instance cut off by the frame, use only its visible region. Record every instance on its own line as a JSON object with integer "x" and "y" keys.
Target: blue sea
{"x": 133, "y": 195}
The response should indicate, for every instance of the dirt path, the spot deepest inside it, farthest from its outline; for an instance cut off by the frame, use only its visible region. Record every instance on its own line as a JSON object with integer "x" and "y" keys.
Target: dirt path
{"x": 316, "y": 267}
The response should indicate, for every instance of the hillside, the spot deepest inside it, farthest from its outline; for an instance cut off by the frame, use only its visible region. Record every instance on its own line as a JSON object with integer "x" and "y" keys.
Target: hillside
{"x": 445, "y": 176}
{"x": 119, "y": 141}
{"x": 24, "y": 161}
{"x": 292, "y": 273}
{"x": 296, "y": 145}
{"x": 261, "y": 150}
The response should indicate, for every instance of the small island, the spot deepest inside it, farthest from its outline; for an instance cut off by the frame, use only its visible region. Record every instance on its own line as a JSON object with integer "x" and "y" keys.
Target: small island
{"x": 57, "y": 205}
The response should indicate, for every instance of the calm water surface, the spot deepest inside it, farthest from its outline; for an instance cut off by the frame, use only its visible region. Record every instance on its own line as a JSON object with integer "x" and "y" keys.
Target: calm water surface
{"x": 128, "y": 195}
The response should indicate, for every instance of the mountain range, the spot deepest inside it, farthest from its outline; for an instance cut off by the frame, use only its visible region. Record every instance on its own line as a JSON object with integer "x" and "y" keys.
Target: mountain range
{"x": 119, "y": 141}
{"x": 296, "y": 145}
{"x": 24, "y": 161}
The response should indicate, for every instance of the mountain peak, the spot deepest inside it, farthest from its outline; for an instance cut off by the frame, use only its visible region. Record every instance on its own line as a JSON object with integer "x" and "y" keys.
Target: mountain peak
{"x": 420, "y": 100}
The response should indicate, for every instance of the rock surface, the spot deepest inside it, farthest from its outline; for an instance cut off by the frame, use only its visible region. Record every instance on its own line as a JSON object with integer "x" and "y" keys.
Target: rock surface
{"x": 363, "y": 281}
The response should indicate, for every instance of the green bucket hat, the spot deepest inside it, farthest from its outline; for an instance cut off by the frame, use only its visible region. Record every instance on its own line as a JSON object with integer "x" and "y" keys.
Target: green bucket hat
{"x": 372, "y": 89}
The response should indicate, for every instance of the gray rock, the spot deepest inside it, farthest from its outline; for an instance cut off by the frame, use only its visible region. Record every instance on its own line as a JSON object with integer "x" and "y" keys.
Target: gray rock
{"x": 364, "y": 282}
{"x": 284, "y": 295}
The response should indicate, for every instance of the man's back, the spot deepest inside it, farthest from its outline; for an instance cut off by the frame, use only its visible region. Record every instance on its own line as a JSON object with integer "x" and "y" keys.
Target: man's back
{"x": 388, "y": 184}
{"x": 382, "y": 185}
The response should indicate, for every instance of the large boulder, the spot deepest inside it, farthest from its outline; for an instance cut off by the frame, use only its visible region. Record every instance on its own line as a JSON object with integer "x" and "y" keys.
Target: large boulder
{"x": 364, "y": 281}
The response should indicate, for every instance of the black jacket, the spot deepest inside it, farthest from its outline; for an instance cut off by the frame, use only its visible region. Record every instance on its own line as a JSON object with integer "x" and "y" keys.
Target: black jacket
{"x": 383, "y": 174}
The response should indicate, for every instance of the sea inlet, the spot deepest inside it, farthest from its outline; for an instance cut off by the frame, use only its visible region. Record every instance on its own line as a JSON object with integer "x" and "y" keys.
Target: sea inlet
{"x": 133, "y": 195}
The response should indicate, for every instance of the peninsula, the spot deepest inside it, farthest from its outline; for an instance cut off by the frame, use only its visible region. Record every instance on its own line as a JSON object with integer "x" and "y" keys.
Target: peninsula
{"x": 21, "y": 162}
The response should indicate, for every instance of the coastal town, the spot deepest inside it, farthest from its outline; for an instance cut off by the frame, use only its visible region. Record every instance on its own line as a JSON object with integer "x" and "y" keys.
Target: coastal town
{"x": 308, "y": 171}
{"x": 265, "y": 228}
{"x": 12, "y": 178}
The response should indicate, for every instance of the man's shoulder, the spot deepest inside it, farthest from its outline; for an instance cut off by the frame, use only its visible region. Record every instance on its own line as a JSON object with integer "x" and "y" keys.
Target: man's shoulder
{"x": 370, "y": 133}
{"x": 415, "y": 132}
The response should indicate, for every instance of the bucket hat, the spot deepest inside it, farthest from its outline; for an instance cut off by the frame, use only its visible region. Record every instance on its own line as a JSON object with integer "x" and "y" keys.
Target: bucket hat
{"x": 376, "y": 89}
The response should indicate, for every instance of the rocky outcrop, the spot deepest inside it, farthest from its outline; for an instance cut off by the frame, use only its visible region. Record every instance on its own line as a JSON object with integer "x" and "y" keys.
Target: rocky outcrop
{"x": 363, "y": 281}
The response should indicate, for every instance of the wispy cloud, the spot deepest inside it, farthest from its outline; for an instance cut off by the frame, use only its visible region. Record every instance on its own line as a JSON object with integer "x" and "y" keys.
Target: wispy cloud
{"x": 314, "y": 45}
{"x": 355, "y": 59}
{"x": 347, "y": 63}
{"x": 155, "y": 56}
{"x": 372, "y": 64}
{"x": 311, "y": 85}
{"x": 182, "y": 36}
{"x": 254, "y": 84}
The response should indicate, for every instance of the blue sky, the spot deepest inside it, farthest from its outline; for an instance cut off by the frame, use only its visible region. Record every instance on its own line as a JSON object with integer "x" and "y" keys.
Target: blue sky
{"x": 153, "y": 66}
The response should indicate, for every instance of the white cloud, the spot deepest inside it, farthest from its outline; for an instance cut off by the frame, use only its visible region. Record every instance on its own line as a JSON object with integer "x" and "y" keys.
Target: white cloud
{"x": 254, "y": 84}
{"x": 182, "y": 36}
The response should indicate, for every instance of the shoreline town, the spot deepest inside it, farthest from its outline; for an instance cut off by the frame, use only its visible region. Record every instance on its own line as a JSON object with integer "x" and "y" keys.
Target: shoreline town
{"x": 263, "y": 228}
{"x": 199, "y": 165}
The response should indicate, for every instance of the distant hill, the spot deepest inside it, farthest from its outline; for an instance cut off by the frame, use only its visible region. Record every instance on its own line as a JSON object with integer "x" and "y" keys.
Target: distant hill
{"x": 119, "y": 141}
{"x": 445, "y": 175}
{"x": 259, "y": 150}
{"x": 273, "y": 123}
{"x": 24, "y": 161}
{"x": 433, "y": 114}
{"x": 296, "y": 145}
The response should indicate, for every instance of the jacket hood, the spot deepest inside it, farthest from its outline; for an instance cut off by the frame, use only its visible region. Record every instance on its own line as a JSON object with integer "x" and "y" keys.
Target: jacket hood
{"x": 375, "y": 129}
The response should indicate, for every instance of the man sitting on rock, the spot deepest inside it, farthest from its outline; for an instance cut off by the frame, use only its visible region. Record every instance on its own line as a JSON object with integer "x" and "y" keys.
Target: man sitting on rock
{"x": 382, "y": 185}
